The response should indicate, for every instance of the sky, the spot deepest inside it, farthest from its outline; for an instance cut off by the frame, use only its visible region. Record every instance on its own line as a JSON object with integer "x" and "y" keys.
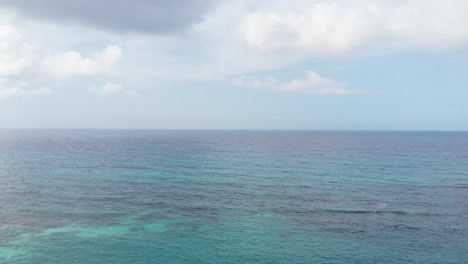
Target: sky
{"x": 237, "y": 64}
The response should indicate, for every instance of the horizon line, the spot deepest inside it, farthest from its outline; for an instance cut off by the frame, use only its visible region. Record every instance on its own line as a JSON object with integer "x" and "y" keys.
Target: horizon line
{"x": 245, "y": 129}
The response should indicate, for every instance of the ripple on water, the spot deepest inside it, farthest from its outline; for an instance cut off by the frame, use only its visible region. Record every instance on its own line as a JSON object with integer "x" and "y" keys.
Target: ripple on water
{"x": 10, "y": 253}
{"x": 87, "y": 231}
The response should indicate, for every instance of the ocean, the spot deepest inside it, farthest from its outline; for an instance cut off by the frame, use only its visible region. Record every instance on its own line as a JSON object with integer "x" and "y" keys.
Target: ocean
{"x": 193, "y": 196}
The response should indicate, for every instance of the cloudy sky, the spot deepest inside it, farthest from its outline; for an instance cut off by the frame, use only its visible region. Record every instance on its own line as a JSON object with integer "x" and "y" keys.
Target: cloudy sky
{"x": 240, "y": 64}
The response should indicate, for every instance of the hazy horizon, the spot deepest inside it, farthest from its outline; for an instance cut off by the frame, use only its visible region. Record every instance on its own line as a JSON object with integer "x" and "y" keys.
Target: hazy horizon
{"x": 243, "y": 129}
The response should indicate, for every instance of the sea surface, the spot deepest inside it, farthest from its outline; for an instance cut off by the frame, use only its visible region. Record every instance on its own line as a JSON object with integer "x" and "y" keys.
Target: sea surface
{"x": 163, "y": 196}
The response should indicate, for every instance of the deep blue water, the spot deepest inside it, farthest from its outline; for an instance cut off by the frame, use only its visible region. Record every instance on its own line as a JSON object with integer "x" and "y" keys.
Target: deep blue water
{"x": 157, "y": 196}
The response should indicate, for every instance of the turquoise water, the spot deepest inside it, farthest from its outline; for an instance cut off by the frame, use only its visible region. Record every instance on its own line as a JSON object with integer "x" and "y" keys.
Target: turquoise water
{"x": 90, "y": 196}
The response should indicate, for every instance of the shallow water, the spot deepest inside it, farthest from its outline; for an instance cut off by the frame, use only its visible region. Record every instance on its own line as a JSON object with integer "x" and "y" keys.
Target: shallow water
{"x": 161, "y": 196}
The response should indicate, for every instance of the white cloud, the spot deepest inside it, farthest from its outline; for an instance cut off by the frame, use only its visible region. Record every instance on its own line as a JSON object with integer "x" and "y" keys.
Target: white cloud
{"x": 341, "y": 26}
{"x": 9, "y": 92}
{"x": 13, "y": 59}
{"x": 42, "y": 91}
{"x": 113, "y": 89}
{"x": 275, "y": 34}
{"x": 6, "y": 92}
{"x": 267, "y": 35}
{"x": 313, "y": 84}
{"x": 73, "y": 64}
{"x": 110, "y": 89}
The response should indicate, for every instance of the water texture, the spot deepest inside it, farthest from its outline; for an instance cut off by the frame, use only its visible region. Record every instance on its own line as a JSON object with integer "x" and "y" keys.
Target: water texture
{"x": 162, "y": 196}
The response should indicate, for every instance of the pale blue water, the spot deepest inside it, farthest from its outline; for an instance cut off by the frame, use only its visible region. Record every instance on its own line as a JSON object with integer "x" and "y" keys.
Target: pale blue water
{"x": 90, "y": 196}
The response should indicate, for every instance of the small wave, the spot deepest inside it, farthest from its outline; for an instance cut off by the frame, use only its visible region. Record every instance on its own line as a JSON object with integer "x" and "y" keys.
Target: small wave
{"x": 364, "y": 212}
{"x": 367, "y": 212}
{"x": 404, "y": 227}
